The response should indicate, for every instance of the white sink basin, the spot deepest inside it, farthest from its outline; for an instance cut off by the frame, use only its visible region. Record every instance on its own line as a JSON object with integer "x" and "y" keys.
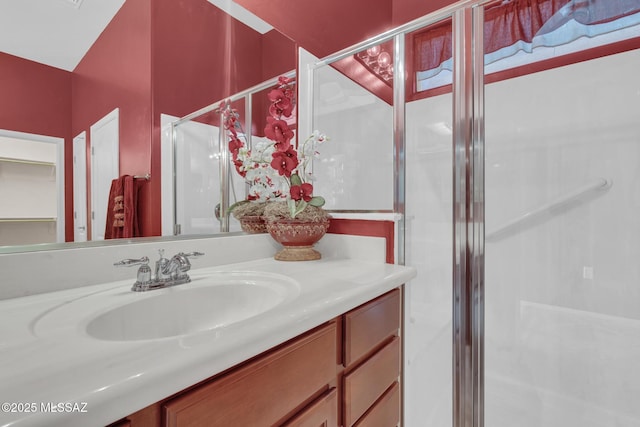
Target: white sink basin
{"x": 208, "y": 302}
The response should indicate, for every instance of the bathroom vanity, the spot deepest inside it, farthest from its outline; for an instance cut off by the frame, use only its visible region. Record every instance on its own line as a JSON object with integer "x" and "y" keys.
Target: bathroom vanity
{"x": 344, "y": 372}
{"x": 256, "y": 341}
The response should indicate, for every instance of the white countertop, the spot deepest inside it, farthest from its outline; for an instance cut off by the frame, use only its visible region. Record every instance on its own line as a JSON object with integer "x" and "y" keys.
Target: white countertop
{"x": 41, "y": 366}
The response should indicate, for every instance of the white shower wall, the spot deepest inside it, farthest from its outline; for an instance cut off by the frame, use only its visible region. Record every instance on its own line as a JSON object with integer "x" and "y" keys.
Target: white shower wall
{"x": 562, "y": 301}
{"x": 354, "y": 169}
{"x": 548, "y": 134}
{"x": 562, "y": 295}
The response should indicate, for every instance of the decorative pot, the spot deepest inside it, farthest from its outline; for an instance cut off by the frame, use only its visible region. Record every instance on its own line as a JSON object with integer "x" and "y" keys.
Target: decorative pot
{"x": 253, "y": 224}
{"x": 297, "y": 238}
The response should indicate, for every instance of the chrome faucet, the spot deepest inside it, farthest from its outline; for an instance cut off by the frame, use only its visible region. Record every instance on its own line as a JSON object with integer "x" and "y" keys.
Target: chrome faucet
{"x": 168, "y": 272}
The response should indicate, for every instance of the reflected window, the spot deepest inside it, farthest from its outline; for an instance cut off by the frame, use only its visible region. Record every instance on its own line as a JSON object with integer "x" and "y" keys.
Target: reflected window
{"x": 519, "y": 32}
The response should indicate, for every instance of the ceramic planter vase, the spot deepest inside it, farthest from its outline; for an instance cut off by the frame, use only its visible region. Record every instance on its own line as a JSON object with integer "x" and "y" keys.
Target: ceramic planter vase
{"x": 253, "y": 224}
{"x": 297, "y": 238}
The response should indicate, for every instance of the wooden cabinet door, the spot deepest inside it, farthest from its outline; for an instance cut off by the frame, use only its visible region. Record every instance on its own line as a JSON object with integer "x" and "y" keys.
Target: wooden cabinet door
{"x": 322, "y": 413}
{"x": 365, "y": 385}
{"x": 385, "y": 412}
{"x": 370, "y": 325}
{"x": 265, "y": 392}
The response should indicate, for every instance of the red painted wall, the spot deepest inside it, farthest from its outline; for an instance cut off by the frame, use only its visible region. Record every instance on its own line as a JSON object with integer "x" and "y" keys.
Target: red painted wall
{"x": 323, "y": 27}
{"x": 407, "y": 10}
{"x": 360, "y": 227}
{"x": 206, "y": 56}
{"x": 279, "y": 54}
{"x": 116, "y": 73}
{"x": 36, "y": 98}
{"x": 192, "y": 67}
{"x": 172, "y": 58}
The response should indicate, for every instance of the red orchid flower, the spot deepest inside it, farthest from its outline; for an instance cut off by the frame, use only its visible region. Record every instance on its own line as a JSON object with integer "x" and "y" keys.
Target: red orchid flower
{"x": 281, "y": 104}
{"x": 238, "y": 164}
{"x": 235, "y": 145}
{"x": 278, "y": 131}
{"x": 285, "y": 161}
{"x": 284, "y": 80}
{"x": 229, "y": 118}
{"x": 303, "y": 191}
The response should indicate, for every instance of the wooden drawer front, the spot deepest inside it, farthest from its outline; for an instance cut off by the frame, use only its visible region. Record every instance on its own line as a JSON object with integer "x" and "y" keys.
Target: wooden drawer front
{"x": 263, "y": 392}
{"x": 370, "y": 325}
{"x": 368, "y": 382}
{"x": 322, "y": 413}
{"x": 385, "y": 412}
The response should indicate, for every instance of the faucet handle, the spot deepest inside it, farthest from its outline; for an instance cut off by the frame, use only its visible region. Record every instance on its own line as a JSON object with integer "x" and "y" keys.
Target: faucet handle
{"x": 132, "y": 261}
{"x": 191, "y": 254}
{"x": 144, "y": 279}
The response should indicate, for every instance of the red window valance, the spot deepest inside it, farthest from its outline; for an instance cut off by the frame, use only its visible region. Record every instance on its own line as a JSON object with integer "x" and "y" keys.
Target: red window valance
{"x": 515, "y": 23}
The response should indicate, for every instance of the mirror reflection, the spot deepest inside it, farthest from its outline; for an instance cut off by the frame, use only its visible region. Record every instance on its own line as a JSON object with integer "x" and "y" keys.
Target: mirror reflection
{"x": 204, "y": 164}
{"x": 148, "y": 58}
{"x": 353, "y": 103}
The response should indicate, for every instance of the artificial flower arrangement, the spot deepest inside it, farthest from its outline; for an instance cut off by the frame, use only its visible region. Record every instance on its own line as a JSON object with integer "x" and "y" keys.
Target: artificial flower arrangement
{"x": 275, "y": 169}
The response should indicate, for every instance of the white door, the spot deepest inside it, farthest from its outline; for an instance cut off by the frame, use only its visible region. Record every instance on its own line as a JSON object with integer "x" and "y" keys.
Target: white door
{"x": 105, "y": 151}
{"x": 80, "y": 188}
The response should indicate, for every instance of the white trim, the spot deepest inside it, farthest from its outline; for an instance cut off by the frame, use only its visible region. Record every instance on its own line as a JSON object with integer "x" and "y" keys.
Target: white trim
{"x": 166, "y": 170}
{"x": 80, "y": 187}
{"x": 305, "y": 107}
{"x": 60, "y": 185}
{"x": 242, "y": 15}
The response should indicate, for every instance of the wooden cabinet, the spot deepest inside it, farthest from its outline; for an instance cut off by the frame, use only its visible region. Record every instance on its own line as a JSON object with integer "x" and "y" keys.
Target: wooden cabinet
{"x": 322, "y": 413}
{"x": 267, "y": 391}
{"x": 343, "y": 373}
{"x": 372, "y": 356}
{"x": 385, "y": 412}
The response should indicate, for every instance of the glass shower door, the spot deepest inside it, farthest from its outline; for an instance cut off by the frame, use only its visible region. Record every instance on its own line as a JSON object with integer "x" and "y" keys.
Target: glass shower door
{"x": 562, "y": 187}
{"x": 198, "y": 164}
{"x": 428, "y": 230}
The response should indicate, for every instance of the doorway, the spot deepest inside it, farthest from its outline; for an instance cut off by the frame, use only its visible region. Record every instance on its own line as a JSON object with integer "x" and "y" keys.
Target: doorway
{"x": 32, "y": 178}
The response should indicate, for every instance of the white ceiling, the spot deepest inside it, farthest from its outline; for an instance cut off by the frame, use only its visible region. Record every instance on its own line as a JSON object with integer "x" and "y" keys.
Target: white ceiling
{"x": 58, "y": 32}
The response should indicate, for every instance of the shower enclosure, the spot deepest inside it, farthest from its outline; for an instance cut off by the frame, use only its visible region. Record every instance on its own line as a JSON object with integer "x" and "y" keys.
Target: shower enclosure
{"x": 517, "y": 177}
{"x": 562, "y": 189}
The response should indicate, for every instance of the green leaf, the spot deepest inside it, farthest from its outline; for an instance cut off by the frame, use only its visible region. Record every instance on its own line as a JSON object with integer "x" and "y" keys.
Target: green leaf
{"x": 296, "y": 207}
{"x": 295, "y": 179}
{"x": 292, "y": 207}
{"x": 317, "y": 201}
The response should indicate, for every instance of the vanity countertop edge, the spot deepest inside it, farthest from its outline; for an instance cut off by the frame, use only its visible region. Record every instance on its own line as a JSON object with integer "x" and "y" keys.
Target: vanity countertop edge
{"x": 110, "y": 380}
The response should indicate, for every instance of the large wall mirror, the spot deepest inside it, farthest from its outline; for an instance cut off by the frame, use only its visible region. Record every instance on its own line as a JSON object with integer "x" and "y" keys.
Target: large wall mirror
{"x": 102, "y": 91}
{"x": 151, "y": 59}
